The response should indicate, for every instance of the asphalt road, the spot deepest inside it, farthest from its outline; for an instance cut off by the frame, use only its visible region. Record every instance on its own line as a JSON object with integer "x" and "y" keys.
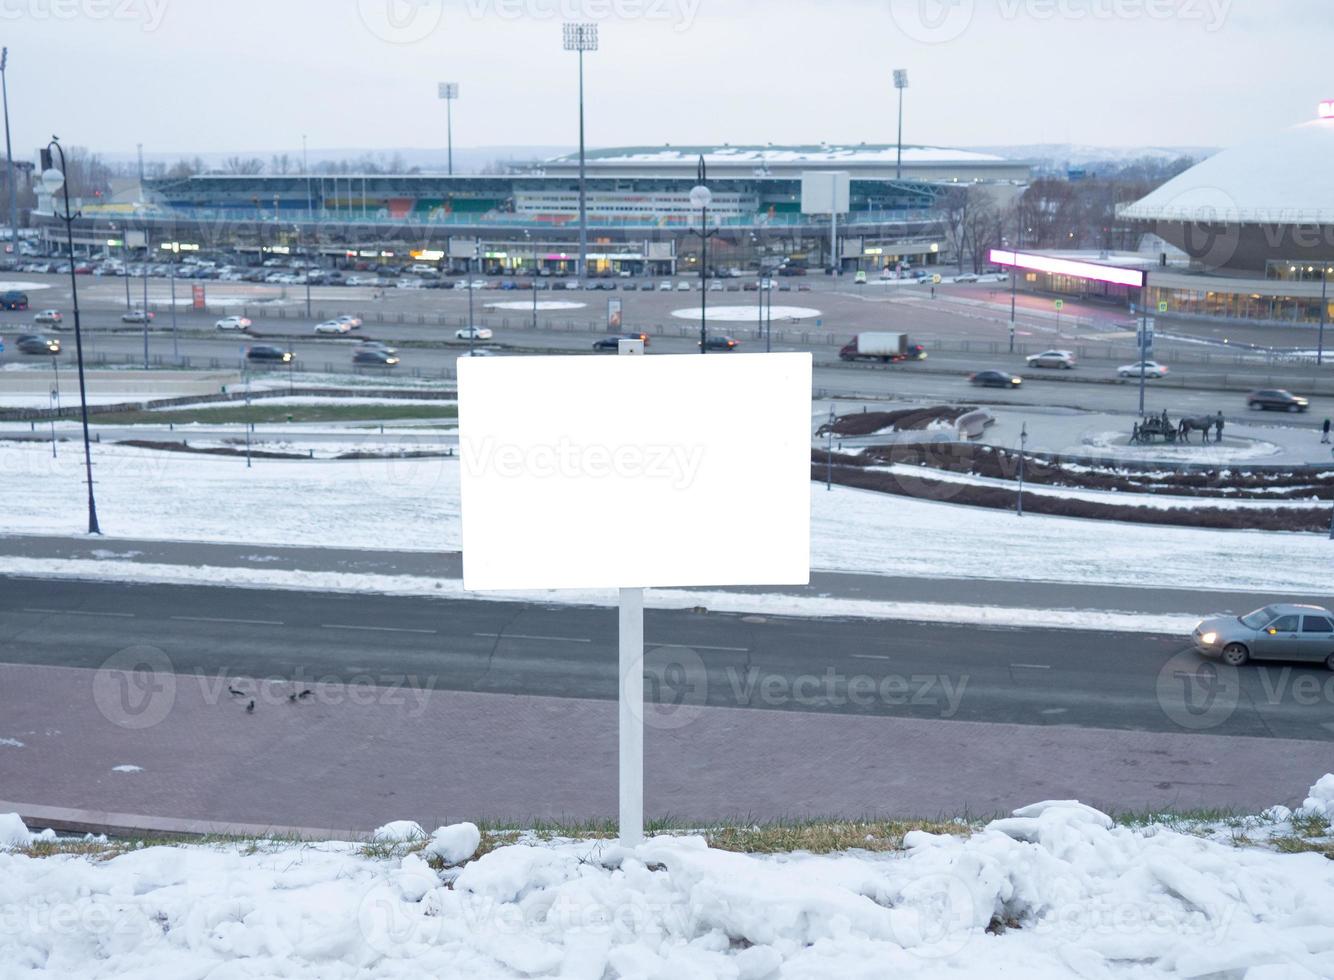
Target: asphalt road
{"x": 849, "y": 667}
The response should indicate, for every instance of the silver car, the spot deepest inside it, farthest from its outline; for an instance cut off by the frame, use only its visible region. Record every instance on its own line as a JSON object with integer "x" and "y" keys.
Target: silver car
{"x": 1282, "y": 631}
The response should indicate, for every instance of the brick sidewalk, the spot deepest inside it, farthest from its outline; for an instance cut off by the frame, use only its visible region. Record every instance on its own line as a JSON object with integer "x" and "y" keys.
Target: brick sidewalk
{"x": 348, "y": 761}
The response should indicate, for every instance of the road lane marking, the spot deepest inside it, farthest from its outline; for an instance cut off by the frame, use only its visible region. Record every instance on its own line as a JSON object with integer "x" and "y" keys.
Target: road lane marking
{"x": 869, "y": 656}
{"x": 224, "y": 619}
{"x": 697, "y": 646}
{"x": 1032, "y": 666}
{"x": 526, "y": 636}
{"x": 374, "y": 629}
{"x": 79, "y": 612}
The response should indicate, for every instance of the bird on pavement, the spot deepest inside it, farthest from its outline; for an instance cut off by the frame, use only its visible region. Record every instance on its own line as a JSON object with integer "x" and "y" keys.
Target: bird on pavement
{"x": 250, "y": 708}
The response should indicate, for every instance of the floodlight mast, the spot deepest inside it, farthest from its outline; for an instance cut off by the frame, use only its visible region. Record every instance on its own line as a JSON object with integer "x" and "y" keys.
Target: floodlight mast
{"x": 900, "y": 83}
{"x": 449, "y": 91}
{"x": 581, "y": 38}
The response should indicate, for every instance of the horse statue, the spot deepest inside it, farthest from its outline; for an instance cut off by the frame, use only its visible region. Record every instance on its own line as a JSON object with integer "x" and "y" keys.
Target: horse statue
{"x": 1196, "y": 423}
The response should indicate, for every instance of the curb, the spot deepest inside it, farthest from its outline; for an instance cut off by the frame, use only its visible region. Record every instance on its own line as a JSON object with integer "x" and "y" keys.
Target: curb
{"x": 73, "y": 821}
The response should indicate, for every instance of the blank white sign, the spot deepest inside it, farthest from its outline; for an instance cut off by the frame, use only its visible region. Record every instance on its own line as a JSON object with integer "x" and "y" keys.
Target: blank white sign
{"x": 626, "y": 472}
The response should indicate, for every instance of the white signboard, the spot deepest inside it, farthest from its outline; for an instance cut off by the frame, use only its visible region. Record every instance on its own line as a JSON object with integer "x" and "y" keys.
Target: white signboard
{"x": 825, "y": 191}
{"x": 626, "y": 472}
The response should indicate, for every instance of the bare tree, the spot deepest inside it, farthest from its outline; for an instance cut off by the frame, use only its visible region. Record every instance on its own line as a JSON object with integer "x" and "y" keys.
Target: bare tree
{"x": 244, "y": 165}
{"x": 281, "y": 163}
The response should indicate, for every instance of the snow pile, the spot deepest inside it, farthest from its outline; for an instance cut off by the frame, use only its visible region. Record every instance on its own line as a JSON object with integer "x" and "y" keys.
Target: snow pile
{"x": 1056, "y": 890}
{"x": 1320, "y": 803}
{"x": 398, "y": 832}
{"x": 455, "y": 844}
{"x": 13, "y": 832}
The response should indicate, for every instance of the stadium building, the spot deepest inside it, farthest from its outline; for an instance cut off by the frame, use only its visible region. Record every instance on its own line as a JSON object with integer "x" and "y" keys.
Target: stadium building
{"x": 640, "y": 219}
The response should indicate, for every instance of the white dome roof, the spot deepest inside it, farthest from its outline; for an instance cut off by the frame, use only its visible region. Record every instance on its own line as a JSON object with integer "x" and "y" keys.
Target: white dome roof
{"x": 1287, "y": 178}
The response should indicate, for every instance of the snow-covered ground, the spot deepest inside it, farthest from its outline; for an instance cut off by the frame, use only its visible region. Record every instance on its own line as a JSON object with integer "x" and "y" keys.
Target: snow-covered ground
{"x": 413, "y": 504}
{"x": 1056, "y": 890}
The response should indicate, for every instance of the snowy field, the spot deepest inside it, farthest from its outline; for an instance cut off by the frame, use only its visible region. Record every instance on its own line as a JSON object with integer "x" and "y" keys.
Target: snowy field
{"x": 1055, "y": 891}
{"x": 413, "y": 504}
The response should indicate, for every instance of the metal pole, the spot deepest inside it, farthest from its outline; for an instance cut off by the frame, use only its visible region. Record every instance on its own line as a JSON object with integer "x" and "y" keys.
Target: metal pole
{"x": 248, "y": 423}
{"x": 68, "y": 217}
{"x": 769, "y": 322}
{"x": 1014, "y": 285}
{"x": 9, "y": 157}
{"x": 631, "y": 717}
{"x": 449, "y": 132}
{"x": 1023, "y": 447}
{"x": 472, "y": 329}
{"x": 829, "y": 453}
{"x": 583, "y": 201}
{"x": 1143, "y": 353}
{"x": 534, "y": 297}
{"x": 1324, "y": 308}
{"x": 55, "y": 403}
{"x": 703, "y": 280}
{"x": 147, "y": 254}
{"x": 898, "y": 166}
{"x": 175, "y": 347}
{"x": 305, "y": 165}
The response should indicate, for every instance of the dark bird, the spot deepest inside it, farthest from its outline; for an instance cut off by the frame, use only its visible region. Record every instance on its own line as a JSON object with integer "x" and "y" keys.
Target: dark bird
{"x": 306, "y": 693}
{"x": 235, "y": 693}
{"x": 250, "y": 708}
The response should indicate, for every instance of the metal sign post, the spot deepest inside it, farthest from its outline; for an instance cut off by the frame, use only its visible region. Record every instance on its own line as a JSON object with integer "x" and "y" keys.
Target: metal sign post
{"x": 1145, "y": 349}
{"x": 630, "y": 707}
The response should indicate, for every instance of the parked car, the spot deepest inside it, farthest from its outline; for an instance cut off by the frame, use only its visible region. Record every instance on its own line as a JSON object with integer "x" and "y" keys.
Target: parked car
{"x": 1052, "y": 359}
{"x": 1276, "y": 399}
{"x": 332, "y": 326}
{"x": 137, "y": 316}
{"x": 1152, "y": 369}
{"x": 362, "y": 281}
{"x": 374, "y": 357}
{"x": 859, "y": 279}
{"x": 721, "y": 342}
{"x": 474, "y": 333}
{"x": 233, "y": 323}
{"x": 683, "y": 286}
{"x": 52, "y": 317}
{"x": 665, "y": 286}
{"x": 1282, "y": 631}
{"x": 995, "y": 379}
{"x": 13, "y": 300}
{"x": 267, "y": 352}
{"x": 30, "y": 343}
{"x": 966, "y": 277}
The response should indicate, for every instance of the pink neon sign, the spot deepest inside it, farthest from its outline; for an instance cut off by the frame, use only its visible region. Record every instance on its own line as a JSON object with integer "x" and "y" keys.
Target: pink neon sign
{"x": 1134, "y": 278}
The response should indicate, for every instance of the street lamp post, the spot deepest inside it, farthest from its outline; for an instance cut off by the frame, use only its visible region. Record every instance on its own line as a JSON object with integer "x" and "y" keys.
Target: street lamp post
{"x": 53, "y": 179}
{"x": 1023, "y": 447}
{"x": 449, "y": 91}
{"x": 148, "y": 254}
{"x": 581, "y": 38}
{"x": 900, "y": 83}
{"x": 9, "y": 157}
{"x": 701, "y": 197}
{"x": 305, "y": 167}
{"x": 1324, "y": 311}
{"x": 175, "y": 347}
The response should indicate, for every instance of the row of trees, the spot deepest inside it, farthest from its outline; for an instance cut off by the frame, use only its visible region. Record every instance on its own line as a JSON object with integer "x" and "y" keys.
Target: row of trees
{"x": 1052, "y": 212}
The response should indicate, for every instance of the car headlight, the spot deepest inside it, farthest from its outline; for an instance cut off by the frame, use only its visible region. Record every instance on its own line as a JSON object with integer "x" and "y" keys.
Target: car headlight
{"x": 1209, "y": 639}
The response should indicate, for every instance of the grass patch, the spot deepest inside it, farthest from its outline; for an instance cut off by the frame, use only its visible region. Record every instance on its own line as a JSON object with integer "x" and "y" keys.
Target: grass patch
{"x": 257, "y": 412}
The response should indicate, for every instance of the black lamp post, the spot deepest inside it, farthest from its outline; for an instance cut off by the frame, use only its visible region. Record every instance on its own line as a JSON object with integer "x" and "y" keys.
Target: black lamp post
{"x": 701, "y": 197}
{"x": 53, "y": 179}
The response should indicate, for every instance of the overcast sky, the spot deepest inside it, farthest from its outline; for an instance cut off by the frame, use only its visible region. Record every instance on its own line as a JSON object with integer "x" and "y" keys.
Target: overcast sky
{"x": 254, "y": 75}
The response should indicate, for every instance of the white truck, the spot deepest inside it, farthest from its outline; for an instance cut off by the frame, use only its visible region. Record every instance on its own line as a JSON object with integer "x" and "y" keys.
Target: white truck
{"x": 881, "y": 346}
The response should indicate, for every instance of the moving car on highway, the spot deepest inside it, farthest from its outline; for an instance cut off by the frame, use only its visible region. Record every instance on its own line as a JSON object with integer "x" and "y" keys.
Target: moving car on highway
{"x": 137, "y": 316}
{"x": 13, "y": 300}
{"x": 613, "y": 344}
{"x": 720, "y": 342}
{"x": 1152, "y": 369}
{"x": 353, "y": 322}
{"x": 331, "y": 326}
{"x": 1052, "y": 359}
{"x": 266, "y": 352}
{"x": 1276, "y": 399}
{"x": 30, "y": 343}
{"x": 1282, "y": 631}
{"x": 995, "y": 379}
{"x": 233, "y": 323}
{"x": 51, "y": 317}
{"x": 473, "y": 333}
{"x": 374, "y": 358}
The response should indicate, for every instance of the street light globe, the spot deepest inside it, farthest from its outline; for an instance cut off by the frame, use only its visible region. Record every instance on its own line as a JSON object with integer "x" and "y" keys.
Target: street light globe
{"x": 52, "y": 180}
{"x": 701, "y": 196}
